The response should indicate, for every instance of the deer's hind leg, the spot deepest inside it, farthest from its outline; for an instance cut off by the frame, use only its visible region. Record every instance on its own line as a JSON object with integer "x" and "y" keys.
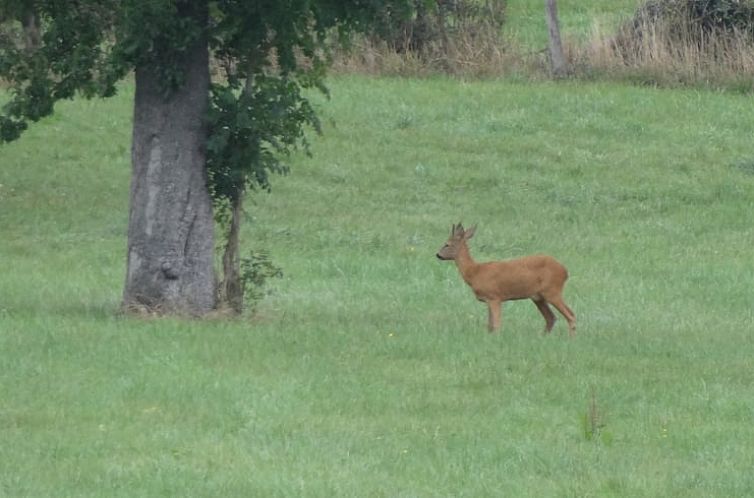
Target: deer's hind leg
{"x": 562, "y": 307}
{"x": 546, "y": 313}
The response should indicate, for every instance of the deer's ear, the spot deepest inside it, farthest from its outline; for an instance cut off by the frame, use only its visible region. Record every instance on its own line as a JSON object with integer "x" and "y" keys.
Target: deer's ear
{"x": 469, "y": 233}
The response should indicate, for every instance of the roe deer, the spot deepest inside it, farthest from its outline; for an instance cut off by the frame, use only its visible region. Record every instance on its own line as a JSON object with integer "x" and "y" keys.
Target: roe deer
{"x": 539, "y": 278}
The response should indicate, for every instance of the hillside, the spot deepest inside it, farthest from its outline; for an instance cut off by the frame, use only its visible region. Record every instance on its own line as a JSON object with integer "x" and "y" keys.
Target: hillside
{"x": 368, "y": 371}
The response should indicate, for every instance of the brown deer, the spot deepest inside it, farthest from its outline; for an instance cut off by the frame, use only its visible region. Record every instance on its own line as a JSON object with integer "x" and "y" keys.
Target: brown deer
{"x": 539, "y": 278}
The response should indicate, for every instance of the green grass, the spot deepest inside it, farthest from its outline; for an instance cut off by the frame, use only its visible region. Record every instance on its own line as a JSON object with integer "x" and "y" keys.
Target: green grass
{"x": 369, "y": 372}
{"x": 526, "y": 23}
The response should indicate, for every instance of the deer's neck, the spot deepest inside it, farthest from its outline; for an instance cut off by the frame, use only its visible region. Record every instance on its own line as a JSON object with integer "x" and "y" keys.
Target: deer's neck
{"x": 465, "y": 263}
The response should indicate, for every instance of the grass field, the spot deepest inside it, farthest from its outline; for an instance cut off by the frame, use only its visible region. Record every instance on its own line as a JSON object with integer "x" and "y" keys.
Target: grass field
{"x": 368, "y": 371}
{"x": 525, "y": 20}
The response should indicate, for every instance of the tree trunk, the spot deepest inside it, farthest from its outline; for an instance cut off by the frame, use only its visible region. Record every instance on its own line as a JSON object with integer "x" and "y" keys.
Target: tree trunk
{"x": 170, "y": 230}
{"x": 232, "y": 291}
{"x": 557, "y": 59}
{"x": 231, "y": 288}
{"x": 32, "y": 36}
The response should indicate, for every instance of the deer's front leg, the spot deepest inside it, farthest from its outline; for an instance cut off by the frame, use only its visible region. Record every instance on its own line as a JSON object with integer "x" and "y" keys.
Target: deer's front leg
{"x": 495, "y": 311}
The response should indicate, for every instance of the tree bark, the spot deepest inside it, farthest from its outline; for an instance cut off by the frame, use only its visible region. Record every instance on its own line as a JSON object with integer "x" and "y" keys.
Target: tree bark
{"x": 32, "y": 36}
{"x": 232, "y": 291}
{"x": 557, "y": 59}
{"x": 171, "y": 227}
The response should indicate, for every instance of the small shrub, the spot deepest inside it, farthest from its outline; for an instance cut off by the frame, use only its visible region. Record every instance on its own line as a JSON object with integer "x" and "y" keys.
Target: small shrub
{"x": 256, "y": 269}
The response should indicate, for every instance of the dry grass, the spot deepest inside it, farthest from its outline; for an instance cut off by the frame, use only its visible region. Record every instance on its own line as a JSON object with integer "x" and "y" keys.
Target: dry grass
{"x": 665, "y": 55}
{"x": 467, "y": 56}
{"x": 654, "y": 51}
{"x": 719, "y": 60}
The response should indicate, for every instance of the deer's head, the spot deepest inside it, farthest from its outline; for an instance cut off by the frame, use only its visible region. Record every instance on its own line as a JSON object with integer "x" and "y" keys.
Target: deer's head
{"x": 458, "y": 238}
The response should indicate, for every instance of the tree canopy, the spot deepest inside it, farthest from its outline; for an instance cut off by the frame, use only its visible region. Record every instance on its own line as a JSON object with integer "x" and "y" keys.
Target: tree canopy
{"x": 87, "y": 46}
{"x": 193, "y": 133}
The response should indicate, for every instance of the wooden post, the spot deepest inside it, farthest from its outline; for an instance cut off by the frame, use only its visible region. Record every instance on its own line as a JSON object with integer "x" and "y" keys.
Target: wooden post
{"x": 557, "y": 59}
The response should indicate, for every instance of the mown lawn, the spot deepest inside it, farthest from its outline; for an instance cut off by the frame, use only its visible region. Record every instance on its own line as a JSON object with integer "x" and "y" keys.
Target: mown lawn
{"x": 368, "y": 371}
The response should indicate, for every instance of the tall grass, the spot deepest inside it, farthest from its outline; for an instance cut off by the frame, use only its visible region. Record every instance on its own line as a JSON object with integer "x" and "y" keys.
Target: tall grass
{"x": 465, "y": 55}
{"x": 606, "y": 41}
{"x": 668, "y": 52}
{"x": 479, "y": 48}
{"x": 458, "y": 38}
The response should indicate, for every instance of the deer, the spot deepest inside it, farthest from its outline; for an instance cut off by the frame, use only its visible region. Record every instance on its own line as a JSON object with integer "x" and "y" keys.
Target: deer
{"x": 539, "y": 277}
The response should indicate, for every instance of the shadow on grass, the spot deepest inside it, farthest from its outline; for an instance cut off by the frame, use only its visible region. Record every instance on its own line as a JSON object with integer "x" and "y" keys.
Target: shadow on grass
{"x": 99, "y": 310}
